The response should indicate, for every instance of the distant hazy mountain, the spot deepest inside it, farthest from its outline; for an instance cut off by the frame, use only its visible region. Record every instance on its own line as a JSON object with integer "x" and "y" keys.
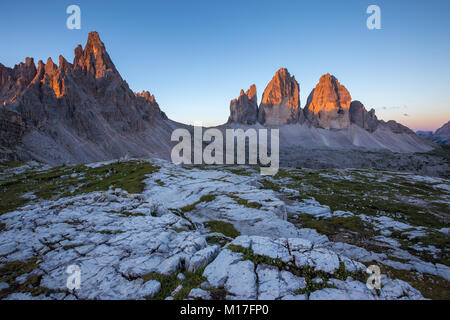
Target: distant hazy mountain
{"x": 442, "y": 135}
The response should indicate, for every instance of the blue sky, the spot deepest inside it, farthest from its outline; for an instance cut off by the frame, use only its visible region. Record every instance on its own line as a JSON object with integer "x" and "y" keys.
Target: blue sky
{"x": 195, "y": 55}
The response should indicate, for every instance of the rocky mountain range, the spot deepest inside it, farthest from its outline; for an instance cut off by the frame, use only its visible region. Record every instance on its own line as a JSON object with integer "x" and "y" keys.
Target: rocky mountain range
{"x": 441, "y": 135}
{"x": 329, "y": 106}
{"x": 330, "y": 120}
{"x": 84, "y": 111}
{"x": 77, "y": 112}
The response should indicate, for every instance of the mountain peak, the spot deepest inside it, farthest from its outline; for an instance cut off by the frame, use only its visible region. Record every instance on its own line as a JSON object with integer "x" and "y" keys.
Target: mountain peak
{"x": 251, "y": 93}
{"x": 94, "y": 38}
{"x": 94, "y": 58}
{"x": 281, "y": 100}
{"x": 328, "y": 104}
{"x": 94, "y": 44}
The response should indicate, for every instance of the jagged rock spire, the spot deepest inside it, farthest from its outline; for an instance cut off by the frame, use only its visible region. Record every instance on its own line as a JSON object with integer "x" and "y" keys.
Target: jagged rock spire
{"x": 281, "y": 100}
{"x": 245, "y": 108}
{"x": 94, "y": 58}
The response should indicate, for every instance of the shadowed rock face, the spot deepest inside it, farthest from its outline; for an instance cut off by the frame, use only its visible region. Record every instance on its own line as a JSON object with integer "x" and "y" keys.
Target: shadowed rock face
{"x": 328, "y": 104}
{"x": 12, "y": 81}
{"x": 150, "y": 99}
{"x": 85, "y": 107}
{"x": 245, "y": 108}
{"x": 363, "y": 118}
{"x": 11, "y": 128}
{"x": 281, "y": 101}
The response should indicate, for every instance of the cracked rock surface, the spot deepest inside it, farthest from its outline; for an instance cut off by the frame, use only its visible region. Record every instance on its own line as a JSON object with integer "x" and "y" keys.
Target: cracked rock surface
{"x": 210, "y": 233}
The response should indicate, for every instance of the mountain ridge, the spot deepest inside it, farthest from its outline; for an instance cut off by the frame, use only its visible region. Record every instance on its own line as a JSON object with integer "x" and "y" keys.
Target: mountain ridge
{"x": 78, "y": 112}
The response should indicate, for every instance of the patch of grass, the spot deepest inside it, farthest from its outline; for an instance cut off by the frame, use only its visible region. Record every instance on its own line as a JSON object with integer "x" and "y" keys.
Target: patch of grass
{"x": 433, "y": 238}
{"x": 372, "y": 194}
{"x": 204, "y": 198}
{"x": 310, "y": 274}
{"x": 312, "y": 285}
{"x": 397, "y": 259}
{"x": 2, "y": 227}
{"x": 127, "y": 176}
{"x": 131, "y": 214}
{"x": 13, "y": 269}
{"x": 10, "y": 164}
{"x": 192, "y": 280}
{"x": 245, "y": 202}
{"x": 255, "y": 258}
{"x": 11, "y": 195}
{"x": 207, "y": 198}
{"x": 267, "y": 184}
{"x": 221, "y": 241}
{"x": 225, "y": 228}
{"x": 66, "y": 181}
{"x": 189, "y": 207}
{"x": 431, "y": 287}
{"x": 110, "y": 231}
{"x": 335, "y": 225}
{"x": 170, "y": 282}
{"x": 178, "y": 230}
{"x": 161, "y": 183}
{"x": 71, "y": 246}
{"x": 242, "y": 171}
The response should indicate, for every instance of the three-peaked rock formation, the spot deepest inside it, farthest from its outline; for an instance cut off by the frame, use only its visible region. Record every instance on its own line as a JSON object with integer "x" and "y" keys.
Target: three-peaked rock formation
{"x": 328, "y": 104}
{"x": 330, "y": 120}
{"x": 78, "y": 112}
{"x": 281, "y": 100}
{"x": 244, "y": 109}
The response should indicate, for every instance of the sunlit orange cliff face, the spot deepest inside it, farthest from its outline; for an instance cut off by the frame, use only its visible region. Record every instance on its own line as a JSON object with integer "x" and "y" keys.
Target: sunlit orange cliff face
{"x": 328, "y": 104}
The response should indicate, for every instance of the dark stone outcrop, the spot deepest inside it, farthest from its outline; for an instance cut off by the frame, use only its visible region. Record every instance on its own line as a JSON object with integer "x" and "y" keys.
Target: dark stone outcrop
{"x": 244, "y": 109}
{"x": 363, "y": 118}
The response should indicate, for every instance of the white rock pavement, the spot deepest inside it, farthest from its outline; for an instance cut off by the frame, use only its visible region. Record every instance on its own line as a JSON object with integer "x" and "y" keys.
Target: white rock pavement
{"x": 115, "y": 250}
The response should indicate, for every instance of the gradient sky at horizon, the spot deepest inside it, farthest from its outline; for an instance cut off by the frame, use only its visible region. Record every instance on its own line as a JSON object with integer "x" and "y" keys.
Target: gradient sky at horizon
{"x": 196, "y": 56}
